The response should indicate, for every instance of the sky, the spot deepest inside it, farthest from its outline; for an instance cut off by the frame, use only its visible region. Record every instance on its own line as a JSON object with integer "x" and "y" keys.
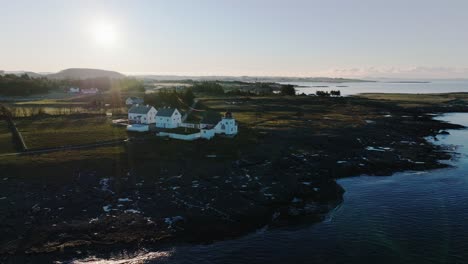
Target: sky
{"x": 333, "y": 38}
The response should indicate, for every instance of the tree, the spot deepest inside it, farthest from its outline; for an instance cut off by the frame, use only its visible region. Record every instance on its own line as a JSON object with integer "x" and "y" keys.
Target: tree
{"x": 288, "y": 89}
{"x": 13, "y": 85}
{"x": 322, "y": 93}
{"x": 335, "y": 93}
{"x": 206, "y": 87}
{"x": 188, "y": 96}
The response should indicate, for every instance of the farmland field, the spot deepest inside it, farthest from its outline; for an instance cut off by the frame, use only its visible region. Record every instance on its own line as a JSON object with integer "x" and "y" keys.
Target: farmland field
{"x": 6, "y": 143}
{"x": 60, "y": 131}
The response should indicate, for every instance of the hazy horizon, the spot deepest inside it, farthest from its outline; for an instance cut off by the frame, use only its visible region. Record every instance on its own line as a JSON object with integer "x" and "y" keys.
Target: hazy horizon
{"x": 352, "y": 39}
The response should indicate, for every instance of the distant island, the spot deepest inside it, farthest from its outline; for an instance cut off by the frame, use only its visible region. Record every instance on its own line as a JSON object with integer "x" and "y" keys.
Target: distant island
{"x": 408, "y": 82}
{"x": 82, "y": 73}
{"x": 278, "y": 79}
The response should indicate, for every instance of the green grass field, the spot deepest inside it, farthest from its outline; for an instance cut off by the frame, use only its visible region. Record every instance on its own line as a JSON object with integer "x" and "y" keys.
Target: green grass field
{"x": 6, "y": 143}
{"x": 416, "y": 100}
{"x": 76, "y": 155}
{"x": 282, "y": 113}
{"x": 67, "y": 130}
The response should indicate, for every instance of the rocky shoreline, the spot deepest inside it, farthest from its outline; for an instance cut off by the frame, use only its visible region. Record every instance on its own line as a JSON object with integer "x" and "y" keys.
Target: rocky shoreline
{"x": 288, "y": 176}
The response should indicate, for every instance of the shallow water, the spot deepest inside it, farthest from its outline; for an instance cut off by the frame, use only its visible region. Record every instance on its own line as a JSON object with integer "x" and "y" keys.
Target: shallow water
{"x": 385, "y": 86}
{"x": 410, "y": 217}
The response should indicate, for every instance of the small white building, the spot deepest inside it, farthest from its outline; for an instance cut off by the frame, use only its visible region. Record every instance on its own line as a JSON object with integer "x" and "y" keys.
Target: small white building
{"x": 226, "y": 125}
{"x": 90, "y": 91}
{"x": 133, "y": 101}
{"x": 74, "y": 90}
{"x": 168, "y": 118}
{"x": 142, "y": 114}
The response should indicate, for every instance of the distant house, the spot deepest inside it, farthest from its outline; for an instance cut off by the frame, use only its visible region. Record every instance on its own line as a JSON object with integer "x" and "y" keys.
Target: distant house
{"x": 142, "y": 114}
{"x": 168, "y": 118}
{"x": 74, "y": 90}
{"x": 219, "y": 125}
{"x": 90, "y": 91}
{"x": 133, "y": 101}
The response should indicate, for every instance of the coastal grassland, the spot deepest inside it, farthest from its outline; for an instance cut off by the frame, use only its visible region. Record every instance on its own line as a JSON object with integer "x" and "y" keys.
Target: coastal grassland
{"x": 51, "y": 102}
{"x": 59, "y": 158}
{"x": 293, "y": 112}
{"x": 418, "y": 100}
{"x": 57, "y": 131}
{"x": 70, "y": 104}
{"x": 6, "y": 140}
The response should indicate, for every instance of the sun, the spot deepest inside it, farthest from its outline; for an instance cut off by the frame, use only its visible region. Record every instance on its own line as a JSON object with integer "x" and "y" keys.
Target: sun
{"x": 105, "y": 33}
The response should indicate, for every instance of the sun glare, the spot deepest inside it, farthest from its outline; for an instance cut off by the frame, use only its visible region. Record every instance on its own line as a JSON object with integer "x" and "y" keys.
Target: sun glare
{"x": 105, "y": 33}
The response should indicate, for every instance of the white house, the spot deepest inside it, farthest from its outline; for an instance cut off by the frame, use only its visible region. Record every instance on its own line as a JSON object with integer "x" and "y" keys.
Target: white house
{"x": 227, "y": 125}
{"x": 133, "y": 101}
{"x": 220, "y": 125}
{"x": 74, "y": 90}
{"x": 168, "y": 118}
{"x": 142, "y": 114}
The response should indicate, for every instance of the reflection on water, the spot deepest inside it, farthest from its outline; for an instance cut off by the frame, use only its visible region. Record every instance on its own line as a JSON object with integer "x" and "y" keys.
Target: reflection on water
{"x": 410, "y": 217}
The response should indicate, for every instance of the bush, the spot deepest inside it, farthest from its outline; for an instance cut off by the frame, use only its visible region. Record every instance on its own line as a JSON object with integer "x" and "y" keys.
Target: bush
{"x": 335, "y": 93}
{"x": 328, "y": 94}
{"x": 188, "y": 97}
{"x": 288, "y": 90}
{"x": 322, "y": 93}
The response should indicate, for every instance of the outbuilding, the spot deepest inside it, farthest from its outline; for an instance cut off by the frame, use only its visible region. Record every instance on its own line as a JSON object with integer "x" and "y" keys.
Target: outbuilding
{"x": 133, "y": 101}
{"x": 74, "y": 90}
